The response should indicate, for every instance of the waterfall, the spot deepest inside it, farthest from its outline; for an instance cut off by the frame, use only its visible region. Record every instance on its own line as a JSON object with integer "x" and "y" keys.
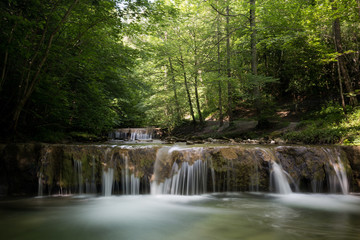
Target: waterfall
{"x": 213, "y": 178}
{"x": 107, "y": 182}
{"x": 278, "y": 177}
{"x": 132, "y": 134}
{"x": 184, "y": 180}
{"x": 187, "y": 180}
{"x": 40, "y": 185}
{"x": 93, "y": 181}
{"x": 78, "y": 176}
{"x": 135, "y": 185}
{"x": 316, "y": 185}
{"x": 130, "y": 183}
{"x": 186, "y": 170}
{"x": 140, "y": 135}
{"x": 339, "y": 180}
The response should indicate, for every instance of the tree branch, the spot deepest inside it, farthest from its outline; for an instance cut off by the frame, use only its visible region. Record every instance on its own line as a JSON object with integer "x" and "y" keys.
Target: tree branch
{"x": 227, "y": 15}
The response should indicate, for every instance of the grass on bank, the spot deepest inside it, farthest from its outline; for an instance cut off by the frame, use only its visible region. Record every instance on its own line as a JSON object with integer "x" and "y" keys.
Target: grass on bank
{"x": 328, "y": 126}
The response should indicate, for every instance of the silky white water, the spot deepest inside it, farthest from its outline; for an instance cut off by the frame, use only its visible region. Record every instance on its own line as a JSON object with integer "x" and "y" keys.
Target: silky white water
{"x": 107, "y": 182}
{"x": 279, "y": 179}
{"x": 222, "y": 216}
{"x": 187, "y": 179}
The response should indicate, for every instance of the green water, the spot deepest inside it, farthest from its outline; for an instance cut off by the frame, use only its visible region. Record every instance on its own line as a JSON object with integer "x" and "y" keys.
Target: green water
{"x": 244, "y": 216}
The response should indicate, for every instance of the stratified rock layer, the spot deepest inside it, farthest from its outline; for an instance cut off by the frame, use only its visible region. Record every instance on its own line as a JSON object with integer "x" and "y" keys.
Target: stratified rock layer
{"x": 31, "y": 169}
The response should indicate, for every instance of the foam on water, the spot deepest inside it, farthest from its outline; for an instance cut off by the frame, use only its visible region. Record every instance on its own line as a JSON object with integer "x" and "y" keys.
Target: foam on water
{"x": 324, "y": 202}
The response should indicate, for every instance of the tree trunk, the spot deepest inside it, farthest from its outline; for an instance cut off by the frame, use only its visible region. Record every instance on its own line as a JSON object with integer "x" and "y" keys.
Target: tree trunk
{"x": 196, "y": 74}
{"x": 343, "y": 72}
{"x": 228, "y": 69}
{"x": 187, "y": 88}
{"x": 3, "y": 74}
{"x": 197, "y": 99}
{"x": 221, "y": 117}
{"x": 254, "y": 62}
{"x": 177, "y": 105}
{"x": 253, "y": 37}
{"x": 341, "y": 88}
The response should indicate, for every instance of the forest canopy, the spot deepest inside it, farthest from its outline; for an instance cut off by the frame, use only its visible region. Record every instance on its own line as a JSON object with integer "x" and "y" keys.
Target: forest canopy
{"x": 88, "y": 66}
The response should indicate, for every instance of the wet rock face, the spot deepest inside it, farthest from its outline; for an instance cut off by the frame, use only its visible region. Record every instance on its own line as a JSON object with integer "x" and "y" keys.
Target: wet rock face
{"x": 29, "y": 169}
{"x": 18, "y": 169}
{"x": 304, "y": 165}
{"x": 239, "y": 169}
{"x": 352, "y": 153}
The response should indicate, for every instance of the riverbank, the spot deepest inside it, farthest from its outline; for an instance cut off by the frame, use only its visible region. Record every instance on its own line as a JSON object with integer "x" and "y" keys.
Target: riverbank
{"x": 326, "y": 126}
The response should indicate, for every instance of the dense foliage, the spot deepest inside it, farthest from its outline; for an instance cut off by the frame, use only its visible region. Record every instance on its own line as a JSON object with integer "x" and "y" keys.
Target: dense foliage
{"x": 70, "y": 66}
{"x": 65, "y": 66}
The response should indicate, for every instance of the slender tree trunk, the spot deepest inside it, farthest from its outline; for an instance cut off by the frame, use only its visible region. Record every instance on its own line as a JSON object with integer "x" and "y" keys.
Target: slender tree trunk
{"x": 228, "y": 69}
{"x": 253, "y": 37}
{"x": 31, "y": 81}
{"x": 221, "y": 117}
{"x": 254, "y": 62}
{"x": 3, "y": 74}
{"x": 197, "y": 99}
{"x": 177, "y": 105}
{"x": 187, "y": 88}
{"x": 341, "y": 88}
{"x": 341, "y": 60}
{"x": 196, "y": 74}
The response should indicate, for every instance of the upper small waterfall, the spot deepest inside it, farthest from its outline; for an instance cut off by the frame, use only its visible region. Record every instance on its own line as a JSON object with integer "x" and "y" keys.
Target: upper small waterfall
{"x": 133, "y": 134}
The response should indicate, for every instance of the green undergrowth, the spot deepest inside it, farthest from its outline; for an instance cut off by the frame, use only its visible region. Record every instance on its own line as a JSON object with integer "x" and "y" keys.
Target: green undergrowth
{"x": 63, "y": 137}
{"x": 328, "y": 126}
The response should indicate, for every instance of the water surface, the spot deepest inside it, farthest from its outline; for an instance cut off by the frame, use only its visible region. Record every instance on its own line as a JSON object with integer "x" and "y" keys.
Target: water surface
{"x": 247, "y": 216}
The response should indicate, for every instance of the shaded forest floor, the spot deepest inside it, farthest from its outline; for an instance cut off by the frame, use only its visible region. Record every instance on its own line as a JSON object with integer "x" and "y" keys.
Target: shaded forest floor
{"x": 245, "y": 128}
{"x": 329, "y": 125}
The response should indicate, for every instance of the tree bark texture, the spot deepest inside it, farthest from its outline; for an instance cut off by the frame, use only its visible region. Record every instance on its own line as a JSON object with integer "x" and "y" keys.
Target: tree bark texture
{"x": 187, "y": 88}
{"x": 228, "y": 69}
{"x": 196, "y": 74}
{"x": 177, "y": 105}
{"x": 221, "y": 117}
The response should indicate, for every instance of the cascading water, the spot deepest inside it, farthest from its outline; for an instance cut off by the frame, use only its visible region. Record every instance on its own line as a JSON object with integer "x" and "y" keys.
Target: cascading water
{"x": 188, "y": 180}
{"x": 130, "y": 183}
{"x": 107, "y": 182}
{"x": 78, "y": 176}
{"x": 140, "y": 135}
{"x": 213, "y": 178}
{"x": 44, "y": 159}
{"x": 135, "y": 185}
{"x": 192, "y": 170}
{"x": 182, "y": 170}
{"x": 338, "y": 181}
{"x": 279, "y": 179}
{"x": 185, "y": 180}
{"x": 40, "y": 185}
{"x": 132, "y": 134}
